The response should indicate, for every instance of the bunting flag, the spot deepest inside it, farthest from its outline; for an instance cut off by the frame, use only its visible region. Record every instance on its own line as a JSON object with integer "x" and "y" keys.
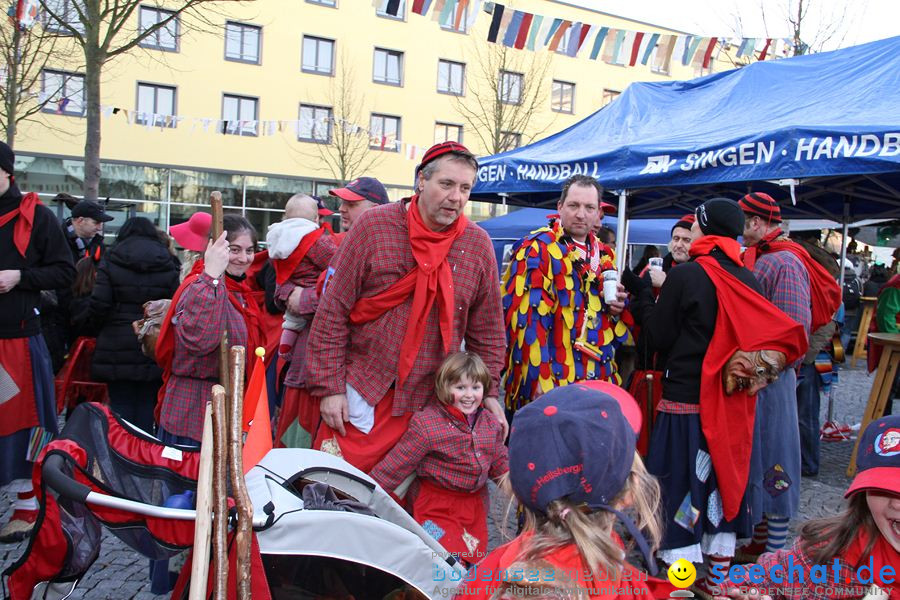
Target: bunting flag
{"x": 762, "y": 55}
{"x": 460, "y": 11}
{"x": 554, "y": 26}
{"x": 648, "y": 47}
{"x": 393, "y": 8}
{"x": 522, "y": 38}
{"x": 536, "y": 25}
{"x": 512, "y": 30}
{"x": 664, "y": 56}
{"x": 496, "y": 18}
{"x": 256, "y": 421}
{"x": 709, "y": 50}
{"x": 420, "y": 7}
{"x": 636, "y": 48}
{"x": 27, "y": 12}
{"x": 563, "y": 28}
{"x": 609, "y": 47}
{"x": 746, "y": 48}
{"x": 598, "y": 42}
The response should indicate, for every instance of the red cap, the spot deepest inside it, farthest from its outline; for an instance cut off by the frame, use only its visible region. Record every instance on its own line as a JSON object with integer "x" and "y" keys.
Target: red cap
{"x": 761, "y": 205}
{"x": 193, "y": 234}
{"x": 441, "y": 149}
{"x": 609, "y": 209}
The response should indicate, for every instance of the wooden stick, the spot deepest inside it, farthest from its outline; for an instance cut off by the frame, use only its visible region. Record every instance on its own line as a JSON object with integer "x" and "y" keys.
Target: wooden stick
{"x": 242, "y": 501}
{"x": 202, "y": 523}
{"x": 220, "y": 493}
{"x": 215, "y": 203}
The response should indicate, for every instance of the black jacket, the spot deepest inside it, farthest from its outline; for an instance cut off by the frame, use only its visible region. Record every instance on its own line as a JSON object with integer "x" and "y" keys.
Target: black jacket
{"x": 680, "y": 325}
{"x": 135, "y": 270}
{"x": 47, "y": 265}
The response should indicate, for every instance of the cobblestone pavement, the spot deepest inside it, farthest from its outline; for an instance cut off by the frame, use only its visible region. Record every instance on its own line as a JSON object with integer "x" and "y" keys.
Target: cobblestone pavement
{"x": 120, "y": 573}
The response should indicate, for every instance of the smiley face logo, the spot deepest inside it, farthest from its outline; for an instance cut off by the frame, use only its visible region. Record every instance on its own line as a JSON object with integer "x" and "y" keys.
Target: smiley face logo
{"x": 682, "y": 573}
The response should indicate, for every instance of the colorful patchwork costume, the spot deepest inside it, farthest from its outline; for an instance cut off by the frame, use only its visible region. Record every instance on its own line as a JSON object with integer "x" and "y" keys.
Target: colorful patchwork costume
{"x": 558, "y": 327}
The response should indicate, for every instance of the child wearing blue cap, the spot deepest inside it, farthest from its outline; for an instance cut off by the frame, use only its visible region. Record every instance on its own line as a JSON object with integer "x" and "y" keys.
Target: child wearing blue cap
{"x": 574, "y": 469}
{"x": 861, "y": 546}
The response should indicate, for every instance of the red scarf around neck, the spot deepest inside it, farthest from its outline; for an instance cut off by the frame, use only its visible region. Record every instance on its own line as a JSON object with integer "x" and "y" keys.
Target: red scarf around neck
{"x": 285, "y": 267}
{"x": 430, "y": 281}
{"x": 824, "y": 291}
{"x": 23, "y": 227}
{"x": 165, "y": 344}
{"x": 746, "y": 321}
{"x": 882, "y": 554}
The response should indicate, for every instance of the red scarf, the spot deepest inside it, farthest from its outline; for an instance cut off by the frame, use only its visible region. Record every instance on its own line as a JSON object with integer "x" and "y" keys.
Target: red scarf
{"x": 873, "y": 355}
{"x": 883, "y": 554}
{"x": 284, "y": 267}
{"x": 165, "y": 344}
{"x": 745, "y": 321}
{"x": 430, "y": 281}
{"x": 23, "y": 227}
{"x": 824, "y": 291}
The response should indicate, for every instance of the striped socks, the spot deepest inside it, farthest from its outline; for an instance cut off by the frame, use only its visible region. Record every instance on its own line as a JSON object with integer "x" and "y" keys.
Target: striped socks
{"x": 760, "y": 533}
{"x": 778, "y": 529}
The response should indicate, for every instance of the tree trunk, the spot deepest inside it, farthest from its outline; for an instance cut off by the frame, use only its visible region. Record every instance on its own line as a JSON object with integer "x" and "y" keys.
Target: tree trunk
{"x": 12, "y": 86}
{"x": 94, "y": 61}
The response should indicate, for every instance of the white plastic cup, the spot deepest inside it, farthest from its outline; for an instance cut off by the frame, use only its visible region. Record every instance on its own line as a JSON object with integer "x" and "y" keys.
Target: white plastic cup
{"x": 610, "y": 286}
{"x": 656, "y": 264}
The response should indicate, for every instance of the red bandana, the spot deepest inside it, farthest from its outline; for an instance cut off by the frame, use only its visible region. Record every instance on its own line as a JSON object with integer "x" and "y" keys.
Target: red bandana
{"x": 824, "y": 291}
{"x": 284, "y": 267}
{"x": 745, "y": 321}
{"x": 23, "y": 227}
{"x": 430, "y": 281}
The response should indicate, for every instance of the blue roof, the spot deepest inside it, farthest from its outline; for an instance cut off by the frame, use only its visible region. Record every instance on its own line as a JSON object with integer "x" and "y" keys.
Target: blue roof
{"x": 830, "y": 120}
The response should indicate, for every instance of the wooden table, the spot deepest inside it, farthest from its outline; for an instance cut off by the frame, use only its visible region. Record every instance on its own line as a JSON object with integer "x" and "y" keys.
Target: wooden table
{"x": 881, "y": 387}
{"x": 867, "y": 308}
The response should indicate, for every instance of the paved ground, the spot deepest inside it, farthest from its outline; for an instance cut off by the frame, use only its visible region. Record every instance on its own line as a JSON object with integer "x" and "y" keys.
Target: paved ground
{"x": 120, "y": 573}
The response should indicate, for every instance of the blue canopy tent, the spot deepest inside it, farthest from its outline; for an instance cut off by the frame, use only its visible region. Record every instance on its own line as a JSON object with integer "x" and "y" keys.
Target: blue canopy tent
{"x": 508, "y": 229}
{"x": 823, "y": 129}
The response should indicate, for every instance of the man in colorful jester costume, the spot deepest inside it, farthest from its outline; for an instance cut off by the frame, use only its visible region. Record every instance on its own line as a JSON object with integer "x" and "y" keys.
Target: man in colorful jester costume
{"x": 559, "y": 329}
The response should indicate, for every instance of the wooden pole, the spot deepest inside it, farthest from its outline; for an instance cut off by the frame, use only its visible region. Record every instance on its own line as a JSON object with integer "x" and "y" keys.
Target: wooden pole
{"x": 203, "y": 521}
{"x": 220, "y": 493}
{"x": 215, "y": 203}
{"x": 242, "y": 501}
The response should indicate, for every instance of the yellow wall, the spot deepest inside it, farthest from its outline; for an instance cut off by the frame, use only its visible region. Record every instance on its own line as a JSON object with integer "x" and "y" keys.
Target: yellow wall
{"x": 201, "y": 75}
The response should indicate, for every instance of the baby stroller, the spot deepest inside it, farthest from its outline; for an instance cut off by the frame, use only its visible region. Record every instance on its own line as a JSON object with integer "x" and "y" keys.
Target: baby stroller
{"x": 322, "y": 528}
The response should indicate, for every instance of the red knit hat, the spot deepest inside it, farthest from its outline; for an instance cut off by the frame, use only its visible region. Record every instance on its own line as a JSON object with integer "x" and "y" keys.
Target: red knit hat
{"x": 761, "y": 205}
{"x": 441, "y": 149}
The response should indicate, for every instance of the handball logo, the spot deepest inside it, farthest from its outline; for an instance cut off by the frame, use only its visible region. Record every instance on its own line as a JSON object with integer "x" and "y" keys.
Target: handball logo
{"x": 888, "y": 443}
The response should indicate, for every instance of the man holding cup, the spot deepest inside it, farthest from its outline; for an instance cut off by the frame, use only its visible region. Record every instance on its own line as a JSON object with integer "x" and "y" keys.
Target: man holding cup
{"x": 563, "y": 301}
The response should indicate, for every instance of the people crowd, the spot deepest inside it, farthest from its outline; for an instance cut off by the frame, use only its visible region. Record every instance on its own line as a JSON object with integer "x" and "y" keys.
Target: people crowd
{"x": 393, "y": 345}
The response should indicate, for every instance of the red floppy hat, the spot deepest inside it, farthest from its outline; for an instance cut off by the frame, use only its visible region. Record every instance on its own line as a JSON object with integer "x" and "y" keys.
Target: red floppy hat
{"x": 193, "y": 234}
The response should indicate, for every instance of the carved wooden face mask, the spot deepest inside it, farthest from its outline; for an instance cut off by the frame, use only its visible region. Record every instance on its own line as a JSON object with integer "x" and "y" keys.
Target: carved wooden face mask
{"x": 752, "y": 371}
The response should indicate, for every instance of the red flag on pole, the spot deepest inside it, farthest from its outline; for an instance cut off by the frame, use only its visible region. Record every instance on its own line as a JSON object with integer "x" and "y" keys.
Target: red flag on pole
{"x": 256, "y": 421}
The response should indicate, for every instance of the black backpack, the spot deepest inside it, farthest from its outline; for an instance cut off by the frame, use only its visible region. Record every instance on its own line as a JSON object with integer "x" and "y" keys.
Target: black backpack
{"x": 852, "y": 291}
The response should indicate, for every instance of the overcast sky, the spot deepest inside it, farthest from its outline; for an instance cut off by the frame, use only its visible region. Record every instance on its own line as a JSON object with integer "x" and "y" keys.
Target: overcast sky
{"x": 855, "y": 21}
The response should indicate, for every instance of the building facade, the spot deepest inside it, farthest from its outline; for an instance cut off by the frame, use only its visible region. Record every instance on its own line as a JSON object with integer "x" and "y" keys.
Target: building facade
{"x": 256, "y": 101}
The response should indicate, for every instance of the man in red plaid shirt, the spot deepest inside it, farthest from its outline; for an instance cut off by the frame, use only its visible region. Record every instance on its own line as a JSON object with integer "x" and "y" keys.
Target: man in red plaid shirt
{"x": 786, "y": 283}
{"x": 410, "y": 283}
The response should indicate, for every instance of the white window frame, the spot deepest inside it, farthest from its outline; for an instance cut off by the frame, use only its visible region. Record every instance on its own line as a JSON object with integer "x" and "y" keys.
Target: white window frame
{"x": 236, "y": 28}
{"x": 510, "y": 82}
{"x": 63, "y": 85}
{"x": 450, "y": 67}
{"x": 315, "y": 120}
{"x": 377, "y": 122}
{"x": 560, "y": 107}
{"x": 158, "y": 117}
{"x": 319, "y": 43}
{"x": 234, "y": 126}
{"x": 386, "y": 56}
{"x": 172, "y": 28}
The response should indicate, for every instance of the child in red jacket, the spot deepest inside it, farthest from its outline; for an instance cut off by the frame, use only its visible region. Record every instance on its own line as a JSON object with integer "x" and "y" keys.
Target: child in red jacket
{"x": 453, "y": 446}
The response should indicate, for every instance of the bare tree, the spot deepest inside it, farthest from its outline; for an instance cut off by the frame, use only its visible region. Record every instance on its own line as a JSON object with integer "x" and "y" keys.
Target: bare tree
{"x": 343, "y": 143}
{"x": 25, "y": 54}
{"x": 105, "y": 29}
{"x": 507, "y": 91}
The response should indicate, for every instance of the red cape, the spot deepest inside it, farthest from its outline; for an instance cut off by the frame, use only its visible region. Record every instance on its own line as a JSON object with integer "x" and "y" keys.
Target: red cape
{"x": 824, "y": 291}
{"x": 745, "y": 321}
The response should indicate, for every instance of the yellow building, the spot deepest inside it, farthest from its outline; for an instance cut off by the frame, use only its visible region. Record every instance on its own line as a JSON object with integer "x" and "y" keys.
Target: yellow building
{"x": 247, "y": 105}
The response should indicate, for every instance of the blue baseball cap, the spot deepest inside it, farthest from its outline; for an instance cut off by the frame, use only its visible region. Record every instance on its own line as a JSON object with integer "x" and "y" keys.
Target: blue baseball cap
{"x": 878, "y": 457}
{"x": 362, "y": 188}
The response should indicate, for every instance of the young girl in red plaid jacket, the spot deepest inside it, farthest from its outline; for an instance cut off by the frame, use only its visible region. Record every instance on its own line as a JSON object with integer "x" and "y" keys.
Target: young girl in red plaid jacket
{"x": 840, "y": 557}
{"x": 453, "y": 446}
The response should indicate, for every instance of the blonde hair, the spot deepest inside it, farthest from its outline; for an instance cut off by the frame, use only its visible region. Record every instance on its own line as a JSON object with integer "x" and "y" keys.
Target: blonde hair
{"x": 539, "y": 579}
{"x": 454, "y": 368}
{"x": 566, "y": 523}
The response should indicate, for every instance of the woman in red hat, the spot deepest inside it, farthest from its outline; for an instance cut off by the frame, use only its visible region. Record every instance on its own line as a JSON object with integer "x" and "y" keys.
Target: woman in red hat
{"x": 215, "y": 297}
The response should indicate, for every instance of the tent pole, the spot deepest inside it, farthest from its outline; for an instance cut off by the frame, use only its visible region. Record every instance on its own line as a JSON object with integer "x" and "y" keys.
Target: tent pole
{"x": 620, "y": 230}
{"x": 845, "y": 222}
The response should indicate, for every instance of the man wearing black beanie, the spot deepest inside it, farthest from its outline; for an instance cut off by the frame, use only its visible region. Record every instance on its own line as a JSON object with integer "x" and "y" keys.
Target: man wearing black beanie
{"x": 33, "y": 257}
{"x": 704, "y": 483}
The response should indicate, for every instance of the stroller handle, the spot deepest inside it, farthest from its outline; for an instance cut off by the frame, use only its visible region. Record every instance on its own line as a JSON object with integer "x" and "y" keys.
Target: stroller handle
{"x": 74, "y": 491}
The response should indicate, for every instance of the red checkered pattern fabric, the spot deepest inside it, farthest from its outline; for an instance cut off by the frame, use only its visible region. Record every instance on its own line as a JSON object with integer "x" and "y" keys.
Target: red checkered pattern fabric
{"x": 201, "y": 314}
{"x": 316, "y": 260}
{"x": 677, "y": 408}
{"x": 442, "y": 447}
{"x": 785, "y": 284}
{"x": 373, "y": 256}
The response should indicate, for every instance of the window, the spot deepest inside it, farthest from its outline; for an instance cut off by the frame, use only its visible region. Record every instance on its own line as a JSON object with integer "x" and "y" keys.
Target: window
{"x": 242, "y": 42}
{"x": 318, "y": 55}
{"x": 388, "y": 67}
{"x": 384, "y": 131}
{"x": 154, "y": 104}
{"x": 315, "y": 124}
{"x": 164, "y": 38}
{"x": 392, "y": 9}
{"x": 509, "y": 140}
{"x": 323, "y": 2}
{"x": 63, "y": 93}
{"x": 608, "y": 96}
{"x": 449, "y": 21}
{"x": 239, "y": 115}
{"x": 510, "y": 87}
{"x": 451, "y": 77}
{"x": 562, "y": 97}
{"x": 57, "y": 12}
{"x": 447, "y": 132}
